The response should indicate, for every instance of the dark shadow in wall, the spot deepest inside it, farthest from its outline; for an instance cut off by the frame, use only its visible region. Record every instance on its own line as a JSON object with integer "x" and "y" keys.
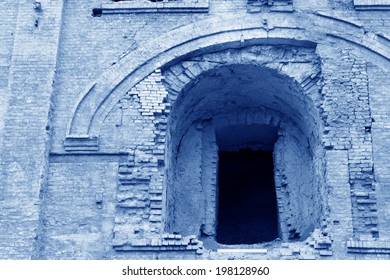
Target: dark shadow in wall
{"x": 247, "y": 210}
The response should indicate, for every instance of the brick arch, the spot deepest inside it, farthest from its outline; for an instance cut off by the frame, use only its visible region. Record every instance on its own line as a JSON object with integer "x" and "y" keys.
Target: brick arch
{"x": 279, "y": 58}
{"x": 208, "y": 36}
{"x": 301, "y": 89}
{"x": 300, "y": 65}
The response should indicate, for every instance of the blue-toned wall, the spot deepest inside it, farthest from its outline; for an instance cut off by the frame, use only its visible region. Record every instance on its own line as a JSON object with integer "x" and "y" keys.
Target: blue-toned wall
{"x": 112, "y": 115}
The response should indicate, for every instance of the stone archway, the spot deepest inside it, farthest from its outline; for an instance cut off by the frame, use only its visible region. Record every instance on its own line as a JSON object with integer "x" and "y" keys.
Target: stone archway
{"x": 227, "y": 106}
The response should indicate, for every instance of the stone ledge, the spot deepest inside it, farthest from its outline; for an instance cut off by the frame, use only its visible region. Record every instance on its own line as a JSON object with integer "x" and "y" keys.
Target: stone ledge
{"x": 369, "y": 246}
{"x": 165, "y": 242}
{"x": 81, "y": 144}
{"x": 370, "y": 5}
{"x": 131, "y": 7}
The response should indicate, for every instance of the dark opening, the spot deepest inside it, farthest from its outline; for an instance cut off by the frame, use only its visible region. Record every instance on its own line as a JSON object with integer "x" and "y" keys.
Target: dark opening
{"x": 97, "y": 12}
{"x": 247, "y": 210}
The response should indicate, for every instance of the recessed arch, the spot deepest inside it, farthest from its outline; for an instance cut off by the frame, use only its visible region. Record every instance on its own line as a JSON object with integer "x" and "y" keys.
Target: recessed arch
{"x": 241, "y": 97}
{"x": 211, "y": 35}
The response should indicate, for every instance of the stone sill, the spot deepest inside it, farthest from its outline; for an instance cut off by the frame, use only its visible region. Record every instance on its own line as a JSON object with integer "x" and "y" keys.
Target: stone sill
{"x": 372, "y": 5}
{"x": 165, "y": 242}
{"x": 81, "y": 144}
{"x": 132, "y": 7}
{"x": 368, "y": 247}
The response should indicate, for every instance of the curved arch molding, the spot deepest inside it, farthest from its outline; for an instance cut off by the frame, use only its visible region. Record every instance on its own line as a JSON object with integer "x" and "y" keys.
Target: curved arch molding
{"x": 210, "y": 35}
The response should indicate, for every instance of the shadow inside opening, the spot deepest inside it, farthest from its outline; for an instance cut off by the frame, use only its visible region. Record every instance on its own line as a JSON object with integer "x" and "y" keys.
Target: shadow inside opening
{"x": 247, "y": 208}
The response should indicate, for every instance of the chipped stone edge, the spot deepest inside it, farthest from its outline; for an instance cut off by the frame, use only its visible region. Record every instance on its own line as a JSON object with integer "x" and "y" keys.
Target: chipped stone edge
{"x": 368, "y": 246}
{"x": 164, "y": 242}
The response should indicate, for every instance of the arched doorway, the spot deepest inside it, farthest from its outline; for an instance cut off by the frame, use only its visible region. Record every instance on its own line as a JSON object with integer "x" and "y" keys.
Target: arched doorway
{"x": 241, "y": 158}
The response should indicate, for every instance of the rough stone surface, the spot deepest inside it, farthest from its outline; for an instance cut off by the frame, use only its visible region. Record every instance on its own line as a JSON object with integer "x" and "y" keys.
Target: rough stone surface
{"x": 112, "y": 114}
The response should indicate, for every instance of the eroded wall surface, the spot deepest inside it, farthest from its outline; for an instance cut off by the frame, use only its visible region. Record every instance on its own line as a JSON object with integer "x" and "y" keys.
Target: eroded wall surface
{"x": 110, "y": 114}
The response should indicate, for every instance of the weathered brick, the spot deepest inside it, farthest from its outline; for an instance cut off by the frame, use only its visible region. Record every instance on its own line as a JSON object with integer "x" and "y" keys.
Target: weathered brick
{"x": 67, "y": 194}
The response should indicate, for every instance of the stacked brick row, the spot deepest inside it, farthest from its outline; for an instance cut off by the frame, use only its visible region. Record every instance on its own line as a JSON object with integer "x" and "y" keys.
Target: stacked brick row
{"x": 139, "y": 196}
{"x": 139, "y": 214}
{"x": 379, "y": 96}
{"x": 347, "y": 126}
{"x": 361, "y": 170}
{"x": 371, "y": 247}
{"x": 165, "y": 242}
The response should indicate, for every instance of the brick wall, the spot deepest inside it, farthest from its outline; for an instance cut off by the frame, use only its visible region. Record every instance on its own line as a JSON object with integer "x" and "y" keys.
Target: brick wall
{"x": 7, "y": 31}
{"x": 79, "y": 207}
{"x": 24, "y": 149}
{"x": 49, "y": 57}
{"x": 379, "y": 95}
